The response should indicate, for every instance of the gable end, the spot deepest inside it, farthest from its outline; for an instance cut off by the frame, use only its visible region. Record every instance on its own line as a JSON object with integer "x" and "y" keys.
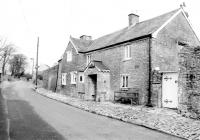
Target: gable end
{"x": 70, "y": 41}
{"x": 165, "y": 24}
{"x": 169, "y": 20}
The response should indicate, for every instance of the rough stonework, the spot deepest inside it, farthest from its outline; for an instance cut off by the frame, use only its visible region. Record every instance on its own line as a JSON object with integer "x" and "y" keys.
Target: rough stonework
{"x": 156, "y": 97}
{"x": 50, "y": 78}
{"x": 189, "y": 81}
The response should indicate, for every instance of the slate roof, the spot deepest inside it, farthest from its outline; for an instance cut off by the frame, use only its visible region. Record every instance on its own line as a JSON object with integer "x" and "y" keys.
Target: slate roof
{"x": 99, "y": 65}
{"x": 80, "y": 43}
{"x": 140, "y": 29}
{"x": 81, "y": 68}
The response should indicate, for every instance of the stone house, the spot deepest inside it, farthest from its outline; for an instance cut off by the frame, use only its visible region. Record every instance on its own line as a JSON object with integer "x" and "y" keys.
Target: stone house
{"x": 143, "y": 55}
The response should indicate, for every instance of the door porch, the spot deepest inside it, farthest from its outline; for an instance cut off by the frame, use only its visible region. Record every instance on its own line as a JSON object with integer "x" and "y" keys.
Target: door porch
{"x": 97, "y": 81}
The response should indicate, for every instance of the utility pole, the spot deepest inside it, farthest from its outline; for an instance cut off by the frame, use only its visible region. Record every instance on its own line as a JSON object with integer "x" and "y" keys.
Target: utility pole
{"x": 32, "y": 67}
{"x": 37, "y": 63}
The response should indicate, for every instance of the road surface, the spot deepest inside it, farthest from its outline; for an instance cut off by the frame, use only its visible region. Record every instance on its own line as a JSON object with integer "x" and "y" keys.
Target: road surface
{"x": 31, "y": 116}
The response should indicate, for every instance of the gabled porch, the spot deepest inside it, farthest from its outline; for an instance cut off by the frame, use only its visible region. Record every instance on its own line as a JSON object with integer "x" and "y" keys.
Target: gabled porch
{"x": 97, "y": 81}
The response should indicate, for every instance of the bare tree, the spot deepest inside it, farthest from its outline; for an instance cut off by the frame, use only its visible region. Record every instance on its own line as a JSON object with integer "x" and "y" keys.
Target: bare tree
{"x": 6, "y": 50}
{"x": 18, "y": 64}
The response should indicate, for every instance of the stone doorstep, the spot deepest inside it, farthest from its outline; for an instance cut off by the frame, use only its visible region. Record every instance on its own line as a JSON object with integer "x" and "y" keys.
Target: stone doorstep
{"x": 96, "y": 108}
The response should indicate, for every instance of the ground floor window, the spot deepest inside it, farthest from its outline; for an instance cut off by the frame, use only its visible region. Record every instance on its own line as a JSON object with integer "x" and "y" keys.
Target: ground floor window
{"x": 64, "y": 77}
{"x": 124, "y": 80}
{"x": 73, "y": 77}
{"x": 81, "y": 77}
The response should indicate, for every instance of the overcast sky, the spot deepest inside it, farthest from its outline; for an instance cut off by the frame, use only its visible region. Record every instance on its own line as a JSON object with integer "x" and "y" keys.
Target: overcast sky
{"x": 55, "y": 20}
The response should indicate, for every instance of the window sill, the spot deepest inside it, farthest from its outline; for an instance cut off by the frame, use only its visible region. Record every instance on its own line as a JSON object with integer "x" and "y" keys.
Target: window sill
{"x": 124, "y": 88}
{"x": 126, "y": 59}
{"x": 73, "y": 83}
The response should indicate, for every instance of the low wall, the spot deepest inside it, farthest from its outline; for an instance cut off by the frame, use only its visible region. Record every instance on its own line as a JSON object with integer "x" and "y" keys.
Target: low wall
{"x": 50, "y": 78}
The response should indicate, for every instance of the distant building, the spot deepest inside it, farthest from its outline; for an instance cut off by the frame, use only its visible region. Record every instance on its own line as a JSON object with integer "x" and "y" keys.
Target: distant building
{"x": 42, "y": 68}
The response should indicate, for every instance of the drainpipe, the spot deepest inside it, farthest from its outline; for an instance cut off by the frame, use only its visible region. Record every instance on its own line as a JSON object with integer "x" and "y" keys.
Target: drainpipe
{"x": 149, "y": 104}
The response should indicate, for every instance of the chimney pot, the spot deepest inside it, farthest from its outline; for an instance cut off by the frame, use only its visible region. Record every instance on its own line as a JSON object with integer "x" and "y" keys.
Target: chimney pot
{"x": 86, "y": 37}
{"x": 133, "y": 19}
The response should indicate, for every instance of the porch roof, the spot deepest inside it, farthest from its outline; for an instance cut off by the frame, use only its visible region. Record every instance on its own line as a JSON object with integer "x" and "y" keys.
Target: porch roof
{"x": 99, "y": 65}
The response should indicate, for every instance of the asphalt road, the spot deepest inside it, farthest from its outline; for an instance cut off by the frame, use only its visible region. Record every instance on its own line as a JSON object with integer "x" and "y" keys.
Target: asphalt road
{"x": 3, "y": 120}
{"x": 34, "y": 117}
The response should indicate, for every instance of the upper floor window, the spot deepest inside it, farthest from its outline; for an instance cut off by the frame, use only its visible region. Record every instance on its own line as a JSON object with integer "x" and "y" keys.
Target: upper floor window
{"x": 73, "y": 77}
{"x": 88, "y": 59}
{"x": 127, "y": 54}
{"x": 124, "y": 81}
{"x": 69, "y": 56}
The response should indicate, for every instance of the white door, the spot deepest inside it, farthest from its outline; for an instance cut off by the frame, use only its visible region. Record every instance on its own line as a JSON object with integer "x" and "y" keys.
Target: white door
{"x": 170, "y": 90}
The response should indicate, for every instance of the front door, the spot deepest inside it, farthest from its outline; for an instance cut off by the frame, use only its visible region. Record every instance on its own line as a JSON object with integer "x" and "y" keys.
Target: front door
{"x": 93, "y": 86}
{"x": 170, "y": 90}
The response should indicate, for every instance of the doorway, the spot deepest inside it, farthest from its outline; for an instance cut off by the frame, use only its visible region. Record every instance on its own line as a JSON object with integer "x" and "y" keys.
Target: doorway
{"x": 93, "y": 86}
{"x": 170, "y": 90}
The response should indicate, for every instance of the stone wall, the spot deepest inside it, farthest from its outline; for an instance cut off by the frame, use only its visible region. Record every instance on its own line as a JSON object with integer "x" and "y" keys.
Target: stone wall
{"x": 45, "y": 76}
{"x": 165, "y": 50}
{"x": 50, "y": 78}
{"x": 165, "y": 46}
{"x": 156, "y": 97}
{"x": 189, "y": 81}
{"x": 78, "y": 62}
{"x": 137, "y": 67}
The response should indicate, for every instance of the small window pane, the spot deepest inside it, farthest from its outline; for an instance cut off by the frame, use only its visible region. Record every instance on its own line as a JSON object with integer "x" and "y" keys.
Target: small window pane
{"x": 73, "y": 77}
{"x": 123, "y": 82}
{"x": 88, "y": 59}
{"x": 126, "y": 81}
{"x": 127, "y": 52}
{"x": 63, "y": 78}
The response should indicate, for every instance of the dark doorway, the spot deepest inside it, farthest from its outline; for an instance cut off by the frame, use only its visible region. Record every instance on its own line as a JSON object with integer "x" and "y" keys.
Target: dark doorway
{"x": 93, "y": 85}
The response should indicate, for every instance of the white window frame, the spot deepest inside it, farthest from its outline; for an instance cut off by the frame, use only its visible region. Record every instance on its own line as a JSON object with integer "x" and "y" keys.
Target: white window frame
{"x": 127, "y": 52}
{"x": 69, "y": 56}
{"x": 88, "y": 58}
{"x": 73, "y": 77}
{"x": 81, "y": 75}
{"x": 64, "y": 79}
{"x": 124, "y": 81}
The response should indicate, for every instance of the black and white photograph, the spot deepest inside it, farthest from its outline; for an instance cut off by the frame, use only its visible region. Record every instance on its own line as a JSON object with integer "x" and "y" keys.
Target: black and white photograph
{"x": 99, "y": 70}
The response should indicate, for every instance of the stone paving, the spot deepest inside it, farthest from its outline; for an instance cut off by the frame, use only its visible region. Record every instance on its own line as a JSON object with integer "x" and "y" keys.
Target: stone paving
{"x": 161, "y": 119}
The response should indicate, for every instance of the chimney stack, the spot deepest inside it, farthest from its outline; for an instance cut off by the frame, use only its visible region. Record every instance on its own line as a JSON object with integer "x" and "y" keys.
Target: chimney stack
{"x": 86, "y": 37}
{"x": 133, "y": 19}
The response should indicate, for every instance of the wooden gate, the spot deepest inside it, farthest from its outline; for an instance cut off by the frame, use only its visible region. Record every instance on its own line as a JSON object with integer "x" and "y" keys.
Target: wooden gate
{"x": 170, "y": 90}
